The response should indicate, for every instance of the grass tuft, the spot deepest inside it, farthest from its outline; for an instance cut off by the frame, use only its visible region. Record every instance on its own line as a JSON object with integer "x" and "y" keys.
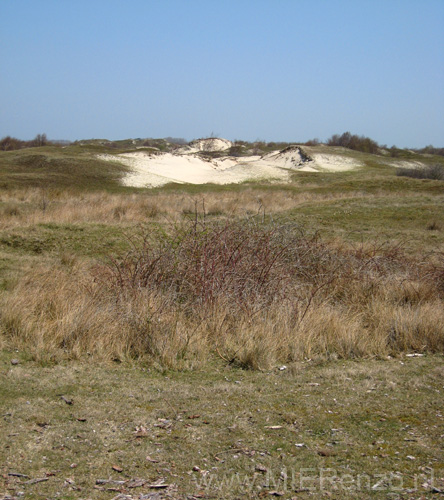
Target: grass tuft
{"x": 252, "y": 292}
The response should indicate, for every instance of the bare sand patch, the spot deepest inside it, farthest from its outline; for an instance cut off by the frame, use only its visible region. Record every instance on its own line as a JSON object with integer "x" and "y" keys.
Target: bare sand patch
{"x": 334, "y": 163}
{"x": 186, "y": 165}
{"x": 156, "y": 170}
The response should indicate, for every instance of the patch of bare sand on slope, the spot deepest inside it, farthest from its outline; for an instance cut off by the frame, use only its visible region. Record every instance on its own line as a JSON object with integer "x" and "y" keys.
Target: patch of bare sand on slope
{"x": 186, "y": 166}
{"x": 156, "y": 170}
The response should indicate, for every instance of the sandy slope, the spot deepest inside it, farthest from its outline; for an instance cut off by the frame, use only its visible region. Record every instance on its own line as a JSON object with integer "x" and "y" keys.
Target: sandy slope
{"x": 334, "y": 163}
{"x": 155, "y": 170}
{"x": 187, "y": 166}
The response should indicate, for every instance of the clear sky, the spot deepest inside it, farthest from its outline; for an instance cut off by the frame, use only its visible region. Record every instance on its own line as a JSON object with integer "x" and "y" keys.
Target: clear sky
{"x": 276, "y": 70}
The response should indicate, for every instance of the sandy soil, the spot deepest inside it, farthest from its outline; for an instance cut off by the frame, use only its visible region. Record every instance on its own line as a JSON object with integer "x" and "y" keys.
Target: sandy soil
{"x": 187, "y": 166}
{"x": 334, "y": 163}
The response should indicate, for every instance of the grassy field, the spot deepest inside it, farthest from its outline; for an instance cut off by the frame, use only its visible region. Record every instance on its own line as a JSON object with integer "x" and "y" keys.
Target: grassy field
{"x": 165, "y": 316}
{"x": 368, "y": 429}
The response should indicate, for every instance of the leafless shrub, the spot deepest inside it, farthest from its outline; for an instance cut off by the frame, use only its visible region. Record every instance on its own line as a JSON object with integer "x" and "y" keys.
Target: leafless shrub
{"x": 251, "y": 292}
{"x": 431, "y": 150}
{"x": 434, "y": 172}
{"x": 246, "y": 264}
{"x": 9, "y": 143}
{"x": 356, "y": 142}
{"x": 312, "y": 142}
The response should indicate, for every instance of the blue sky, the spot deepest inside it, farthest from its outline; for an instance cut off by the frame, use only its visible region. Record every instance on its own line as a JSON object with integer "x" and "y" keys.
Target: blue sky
{"x": 276, "y": 70}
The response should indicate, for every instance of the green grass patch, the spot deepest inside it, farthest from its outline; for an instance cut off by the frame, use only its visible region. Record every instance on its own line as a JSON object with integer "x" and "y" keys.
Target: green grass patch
{"x": 86, "y": 240}
{"x": 50, "y": 167}
{"x": 222, "y": 433}
{"x": 412, "y": 220}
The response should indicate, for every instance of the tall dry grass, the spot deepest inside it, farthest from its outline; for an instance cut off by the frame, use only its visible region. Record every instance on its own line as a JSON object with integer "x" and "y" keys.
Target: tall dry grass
{"x": 37, "y": 206}
{"x": 250, "y": 293}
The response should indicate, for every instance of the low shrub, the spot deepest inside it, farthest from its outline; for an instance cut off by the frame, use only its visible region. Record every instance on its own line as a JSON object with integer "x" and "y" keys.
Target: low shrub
{"x": 253, "y": 293}
{"x": 433, "y": 172}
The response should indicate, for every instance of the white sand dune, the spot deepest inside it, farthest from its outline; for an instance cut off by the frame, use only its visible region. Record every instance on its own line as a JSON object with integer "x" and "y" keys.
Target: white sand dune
{"x": 156, "y": 170}
{"x": 187, "y": 166}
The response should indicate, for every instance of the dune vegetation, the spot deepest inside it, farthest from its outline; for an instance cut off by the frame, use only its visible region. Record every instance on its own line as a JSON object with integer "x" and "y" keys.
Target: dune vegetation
{"x": 343, "y": 264}
{"x": 299, "y": 285}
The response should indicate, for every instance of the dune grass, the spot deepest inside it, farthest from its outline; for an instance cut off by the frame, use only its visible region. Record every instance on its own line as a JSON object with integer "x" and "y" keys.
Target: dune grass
{"x": 65, "y": 235}
{"x": 50, "y": 167}
{"x": 165, "y": 316}
{"x": 253, "y": 292}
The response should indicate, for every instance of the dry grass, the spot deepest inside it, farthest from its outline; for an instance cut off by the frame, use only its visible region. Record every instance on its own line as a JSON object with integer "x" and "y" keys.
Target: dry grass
{"x": 255, "y": 292}
{"x": 37, "y": 206}
{"x": 249, "y": 292}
